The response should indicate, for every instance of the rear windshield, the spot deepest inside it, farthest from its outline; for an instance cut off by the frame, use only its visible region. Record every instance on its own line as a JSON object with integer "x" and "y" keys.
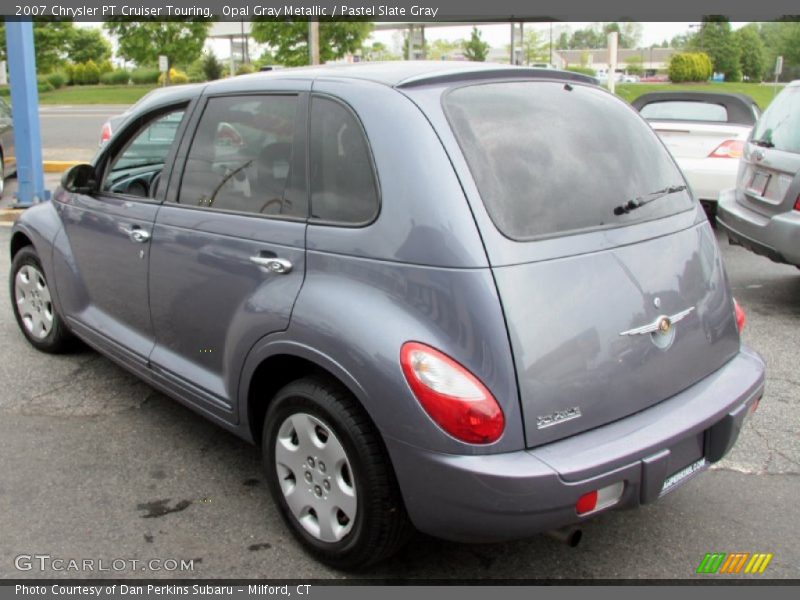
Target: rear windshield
{"x": 681, "y": 110}
{"x": 780, "y": 123}
{"x": 550, "y": 157}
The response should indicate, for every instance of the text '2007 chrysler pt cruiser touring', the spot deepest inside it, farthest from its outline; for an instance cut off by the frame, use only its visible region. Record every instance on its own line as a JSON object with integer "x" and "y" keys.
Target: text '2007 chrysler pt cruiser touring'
{"x": 476, "y": 300}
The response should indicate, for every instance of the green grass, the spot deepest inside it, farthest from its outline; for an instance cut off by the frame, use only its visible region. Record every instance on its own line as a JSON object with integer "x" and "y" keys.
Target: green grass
{"x": 95, "y": 94}
{"x": 761, "y": 93}
{"x": 128, "y": 94}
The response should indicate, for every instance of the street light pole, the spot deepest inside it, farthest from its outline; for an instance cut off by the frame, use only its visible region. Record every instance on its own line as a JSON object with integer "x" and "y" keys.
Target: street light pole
{"x": 313, "y": 41}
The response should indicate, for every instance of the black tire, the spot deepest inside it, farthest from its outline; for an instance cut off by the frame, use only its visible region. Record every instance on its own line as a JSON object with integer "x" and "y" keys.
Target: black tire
{"x": 381, "y": 525}
{"x": 58, "y": 339}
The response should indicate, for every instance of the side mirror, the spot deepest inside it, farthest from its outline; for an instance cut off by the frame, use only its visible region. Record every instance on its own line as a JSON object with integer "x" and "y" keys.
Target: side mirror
{"x": 79, "y": 179}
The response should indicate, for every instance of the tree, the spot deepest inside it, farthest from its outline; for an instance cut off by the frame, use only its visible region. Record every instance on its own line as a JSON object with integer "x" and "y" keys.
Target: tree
{"x": 51, "y": 40}
{"x": 535, "y": 49}
{"x": 716, "y": 39}
{"x": 476, "y": 49}
{"x": 289, "y": 40}
{"x": 212, "y": 68}
{"x": 144, "y": 41}
{"x": 753, "y": 55}
{"x": 682, "y": 40}
{"x": 442, "y": 49}
{"x": 634, "y": 65}
{"x": 87, "y": 44}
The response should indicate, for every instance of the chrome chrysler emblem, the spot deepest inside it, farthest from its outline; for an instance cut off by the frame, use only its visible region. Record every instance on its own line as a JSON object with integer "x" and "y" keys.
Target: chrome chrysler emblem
{"x": 661, "y": 330}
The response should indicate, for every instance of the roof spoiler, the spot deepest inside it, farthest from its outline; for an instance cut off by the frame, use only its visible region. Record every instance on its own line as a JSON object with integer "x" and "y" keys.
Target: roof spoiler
{"x": 503, "y": 73}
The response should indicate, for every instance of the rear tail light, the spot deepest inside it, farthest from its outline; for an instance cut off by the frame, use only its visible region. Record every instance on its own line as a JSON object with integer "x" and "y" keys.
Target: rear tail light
{"x": 797, "y": 203}
{"x": 739, "y": 315}
{"x": 728, "y": 149}
{"x": 105, "y": 133}
{"x": 452, "y": 396}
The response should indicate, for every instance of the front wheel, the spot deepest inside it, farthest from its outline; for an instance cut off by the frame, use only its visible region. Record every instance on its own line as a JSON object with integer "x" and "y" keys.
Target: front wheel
{"x": 329, "y": 473}
{"x": 33, "y": 306}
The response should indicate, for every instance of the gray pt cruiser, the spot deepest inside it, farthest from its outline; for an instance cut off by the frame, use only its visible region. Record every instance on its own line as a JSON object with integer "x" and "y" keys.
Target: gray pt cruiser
{"x": 474, "y": 300}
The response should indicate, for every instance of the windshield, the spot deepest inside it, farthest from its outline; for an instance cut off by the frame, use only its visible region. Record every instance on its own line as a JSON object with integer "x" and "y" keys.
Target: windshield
{"x": 679, "y": 110}
{"x": 779, "y": 126}
{"x": 549, "y": 157}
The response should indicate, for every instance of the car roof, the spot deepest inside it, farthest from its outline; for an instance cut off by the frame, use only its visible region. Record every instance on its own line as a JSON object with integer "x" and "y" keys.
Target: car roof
{"x": 402, "y": 74}
{"x": 738, "y": 106}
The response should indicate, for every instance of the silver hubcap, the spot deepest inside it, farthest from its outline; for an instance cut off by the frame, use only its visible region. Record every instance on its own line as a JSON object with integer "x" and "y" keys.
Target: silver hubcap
{"x": 33, "y": 301}
{"x": 315, "y": 477}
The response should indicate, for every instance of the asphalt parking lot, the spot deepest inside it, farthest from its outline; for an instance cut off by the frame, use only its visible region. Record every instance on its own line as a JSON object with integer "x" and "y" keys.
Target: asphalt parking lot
{"x": 97, "y": 465}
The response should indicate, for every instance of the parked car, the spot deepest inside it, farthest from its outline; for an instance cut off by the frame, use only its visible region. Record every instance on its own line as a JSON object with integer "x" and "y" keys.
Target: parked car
{"x": 392, "y": 279}
{"x": 762, "y": 213}
{"x": 8, "y": 164}
{"x": 111, "y": 125}
{"x": 705, "y": 132}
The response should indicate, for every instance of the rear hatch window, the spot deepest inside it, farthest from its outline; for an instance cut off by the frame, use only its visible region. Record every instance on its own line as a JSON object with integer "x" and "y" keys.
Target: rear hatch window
{"x": 679, "y": 110}
{"x": 551, "y": 158}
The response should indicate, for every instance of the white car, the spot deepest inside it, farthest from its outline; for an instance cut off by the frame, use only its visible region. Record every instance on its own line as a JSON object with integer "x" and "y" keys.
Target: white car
{"x": 706, "y": 133}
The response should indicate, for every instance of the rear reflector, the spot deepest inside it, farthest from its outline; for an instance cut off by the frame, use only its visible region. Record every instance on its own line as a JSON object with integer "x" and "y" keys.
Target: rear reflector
{"x": 599, "y": 499}
{"x": 586, "y": 503}
{"x": 739, "y": 315}
{"x": 452, "y": 396}
{"x": 797, "y": 203}
{"x": 105, "y": 133}
{"x": 728, "y": 149}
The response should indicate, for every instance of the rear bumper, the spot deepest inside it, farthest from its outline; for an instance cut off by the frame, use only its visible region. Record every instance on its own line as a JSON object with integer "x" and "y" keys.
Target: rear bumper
{"x": 514, "y": 495}
{"x": 777, "y": 238}
{"x": 709, "y": 176}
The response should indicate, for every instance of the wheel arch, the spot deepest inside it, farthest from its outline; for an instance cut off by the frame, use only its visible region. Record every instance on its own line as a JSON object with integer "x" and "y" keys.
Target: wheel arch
{"x": 19, "y": 240}
{"x": 274, "y": 365}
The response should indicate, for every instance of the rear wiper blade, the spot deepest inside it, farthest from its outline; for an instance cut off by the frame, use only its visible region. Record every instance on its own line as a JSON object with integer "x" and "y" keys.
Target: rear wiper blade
{"x": 635, "y": 203}
{"x": 764, "y": 143}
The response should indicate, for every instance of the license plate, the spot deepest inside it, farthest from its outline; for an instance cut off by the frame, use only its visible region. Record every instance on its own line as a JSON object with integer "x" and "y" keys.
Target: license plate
{"x": 674, "y": 479}
{"x": 758, "y": 185}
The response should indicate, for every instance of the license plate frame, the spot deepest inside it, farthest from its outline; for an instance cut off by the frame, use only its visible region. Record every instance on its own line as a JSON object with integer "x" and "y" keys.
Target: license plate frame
{"x": 759, "y": 183}
{"x": 674, "y": 481}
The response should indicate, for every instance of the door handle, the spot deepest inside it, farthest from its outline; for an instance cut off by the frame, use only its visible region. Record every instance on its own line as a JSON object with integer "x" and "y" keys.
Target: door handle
{"x": 273, "y": 265}
{"x": 137, "y": 234}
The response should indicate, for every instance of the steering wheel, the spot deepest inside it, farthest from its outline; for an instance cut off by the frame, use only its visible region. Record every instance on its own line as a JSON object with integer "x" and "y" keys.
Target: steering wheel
{"x": 272, "y": 201}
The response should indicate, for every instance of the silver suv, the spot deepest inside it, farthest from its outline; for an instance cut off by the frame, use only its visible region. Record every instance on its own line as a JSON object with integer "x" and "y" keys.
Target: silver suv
{"x": 763, "y": 212}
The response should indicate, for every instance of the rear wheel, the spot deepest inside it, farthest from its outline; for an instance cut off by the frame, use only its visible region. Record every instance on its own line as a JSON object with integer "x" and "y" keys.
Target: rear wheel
{"x": 330, "y": 476}
{"x": 33, "y": 305}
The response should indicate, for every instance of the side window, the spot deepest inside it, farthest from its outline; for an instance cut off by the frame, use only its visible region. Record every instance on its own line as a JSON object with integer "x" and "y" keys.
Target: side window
{"x": 241, "y": 155}
{"x": 343, "y": 186}
{"x": 136, "y": 169}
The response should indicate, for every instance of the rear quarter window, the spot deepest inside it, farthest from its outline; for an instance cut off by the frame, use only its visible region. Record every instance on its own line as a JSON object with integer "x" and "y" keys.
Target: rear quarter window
{"x": 553, "y": 158}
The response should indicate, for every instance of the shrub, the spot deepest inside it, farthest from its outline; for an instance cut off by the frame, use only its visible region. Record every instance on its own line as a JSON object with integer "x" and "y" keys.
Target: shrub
{"x": 689, "y": 66}
{"x": 212, "y": 68}
{"x": 175, "y": 77}
{"x": 91, "y": 73}
{"x": 79, "y": 74}
{"x": 245, "y": 68}
{"x": 582, "y": 70}
{"x": 42, "y": 85}
{"x": 145, "y": 75}
{"x": 57, "y": 80}
{"x": 118, "y": 77}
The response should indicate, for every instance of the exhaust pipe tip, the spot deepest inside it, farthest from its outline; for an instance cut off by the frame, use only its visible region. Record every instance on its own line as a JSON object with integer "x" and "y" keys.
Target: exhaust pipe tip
{"x": 571, "y": 536}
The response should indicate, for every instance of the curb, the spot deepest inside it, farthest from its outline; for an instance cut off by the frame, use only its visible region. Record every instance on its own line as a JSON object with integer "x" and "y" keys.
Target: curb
{"x": 57, "y": 166}
{"x": 9, "y": 215}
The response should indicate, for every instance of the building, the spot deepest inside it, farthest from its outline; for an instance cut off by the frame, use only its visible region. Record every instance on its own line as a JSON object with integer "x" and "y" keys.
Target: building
{"x": 653, "y": 60}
